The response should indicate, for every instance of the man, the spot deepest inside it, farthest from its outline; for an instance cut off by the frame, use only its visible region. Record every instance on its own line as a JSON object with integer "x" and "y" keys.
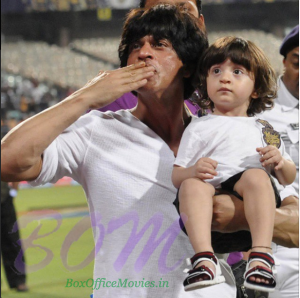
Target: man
{"x": 128, "y": 100}
{"x": 284, "y": 117}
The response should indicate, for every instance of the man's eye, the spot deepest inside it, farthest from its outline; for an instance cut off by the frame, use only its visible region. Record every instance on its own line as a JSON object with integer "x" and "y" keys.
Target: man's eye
{"x": 161, "y": 44}
{"x": 135, "y": 46}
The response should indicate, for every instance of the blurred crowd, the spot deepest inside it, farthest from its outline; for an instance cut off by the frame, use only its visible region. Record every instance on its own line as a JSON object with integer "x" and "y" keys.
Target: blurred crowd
{"x": 22, "y": 98}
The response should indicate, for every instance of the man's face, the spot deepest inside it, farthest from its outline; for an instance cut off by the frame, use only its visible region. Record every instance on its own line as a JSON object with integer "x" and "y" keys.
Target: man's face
{"x": 190, "y": 6}
{"x": 168, "y": 74}
{"x": 291, "y": 72}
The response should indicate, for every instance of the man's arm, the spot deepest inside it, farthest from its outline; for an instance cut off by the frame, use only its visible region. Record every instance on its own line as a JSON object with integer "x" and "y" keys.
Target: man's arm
{"x": 286, "y": 228}
{"x": 229, "y": 216}
{"x": 23, "y": 146}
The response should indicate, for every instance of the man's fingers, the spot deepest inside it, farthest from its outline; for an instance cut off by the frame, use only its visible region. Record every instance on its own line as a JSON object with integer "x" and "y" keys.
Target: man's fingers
{"x": 134, "y": 66}
{"x": 135, "y": 85}
{"x": 138, "y": 76}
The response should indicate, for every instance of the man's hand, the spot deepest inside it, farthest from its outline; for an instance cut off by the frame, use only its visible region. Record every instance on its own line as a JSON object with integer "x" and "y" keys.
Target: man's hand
{"x": 107, "y": 86}
{"x": 229, "y": 216}
{"x": 205, "y": 168}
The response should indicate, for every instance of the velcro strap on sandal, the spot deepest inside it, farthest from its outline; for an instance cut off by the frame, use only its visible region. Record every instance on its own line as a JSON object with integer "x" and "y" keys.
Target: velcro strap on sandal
{"x": 262, "y": 257}
{"x": 202, "y": 270}
{"x": 261, "y": 272}
{"x": 203, "y": 256}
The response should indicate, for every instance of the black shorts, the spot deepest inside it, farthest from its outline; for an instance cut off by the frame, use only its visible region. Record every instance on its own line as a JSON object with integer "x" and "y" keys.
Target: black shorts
{"x": 236, "y": 241}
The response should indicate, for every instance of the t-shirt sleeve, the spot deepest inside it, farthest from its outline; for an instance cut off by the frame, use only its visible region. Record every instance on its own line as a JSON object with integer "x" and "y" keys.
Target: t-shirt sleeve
{"x": 191, "y": 146}
{"x": 283, "y": 151}
{"x": 65, "y": 155}
{"x": 287, "y": 191}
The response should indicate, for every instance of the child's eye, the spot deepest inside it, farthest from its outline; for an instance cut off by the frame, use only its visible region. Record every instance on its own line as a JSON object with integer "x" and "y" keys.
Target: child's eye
{"x": 237, "y": 71}
{"x": 216, "y": 70}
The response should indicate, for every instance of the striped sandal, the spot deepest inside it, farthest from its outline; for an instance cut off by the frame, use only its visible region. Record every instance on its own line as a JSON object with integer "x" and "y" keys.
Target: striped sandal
{"x": 192, "y": 281}
{"x": 261, "y": 272}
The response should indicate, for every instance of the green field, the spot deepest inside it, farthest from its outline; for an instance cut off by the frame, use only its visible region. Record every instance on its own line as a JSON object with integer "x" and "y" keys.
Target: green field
{"x": 56, "y": 234}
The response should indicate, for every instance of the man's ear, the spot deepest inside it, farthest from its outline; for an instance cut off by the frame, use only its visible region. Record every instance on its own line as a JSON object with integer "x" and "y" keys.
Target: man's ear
{"x": 283, "y": 62}
{"x": 186, "y": 72}
{"x": 201, "y": 23}
{"x": 201, "y": 19}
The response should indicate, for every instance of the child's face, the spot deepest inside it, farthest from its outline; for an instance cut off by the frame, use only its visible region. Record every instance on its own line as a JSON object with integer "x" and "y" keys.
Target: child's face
{"x": 230, "y": 86}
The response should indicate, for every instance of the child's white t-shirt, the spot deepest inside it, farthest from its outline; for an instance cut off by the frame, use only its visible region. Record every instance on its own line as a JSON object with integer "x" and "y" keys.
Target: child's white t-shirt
{"x": 231, "y": 141}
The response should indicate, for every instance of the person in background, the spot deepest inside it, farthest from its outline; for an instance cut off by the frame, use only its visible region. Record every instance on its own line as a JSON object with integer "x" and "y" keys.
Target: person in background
{"x": 285, "y": 114}
{"x": 11, "y": 245}
{"x": 285, "y": 119}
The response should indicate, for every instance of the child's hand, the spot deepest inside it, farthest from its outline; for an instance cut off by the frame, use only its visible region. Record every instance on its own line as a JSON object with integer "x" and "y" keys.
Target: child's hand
{"x": 270, "y": 156}
{"x": 204, "y": 168}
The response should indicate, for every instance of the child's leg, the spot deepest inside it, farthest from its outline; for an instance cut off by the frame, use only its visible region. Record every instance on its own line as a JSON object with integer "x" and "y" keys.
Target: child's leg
{"x": 195, "y": 197}
{"x": 259, "y": 202}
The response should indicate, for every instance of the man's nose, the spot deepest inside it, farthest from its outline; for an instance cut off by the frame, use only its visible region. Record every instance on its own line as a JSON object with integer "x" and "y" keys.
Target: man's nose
{"x": 146, "y": 51}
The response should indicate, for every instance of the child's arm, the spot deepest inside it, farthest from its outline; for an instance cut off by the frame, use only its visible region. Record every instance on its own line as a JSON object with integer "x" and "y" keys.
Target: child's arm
{"x": 204, "y": 168}
{"x": 283, "y": 169}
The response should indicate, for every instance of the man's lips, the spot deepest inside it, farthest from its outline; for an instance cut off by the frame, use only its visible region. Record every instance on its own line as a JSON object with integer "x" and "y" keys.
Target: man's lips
{"x": 149, "y": 64}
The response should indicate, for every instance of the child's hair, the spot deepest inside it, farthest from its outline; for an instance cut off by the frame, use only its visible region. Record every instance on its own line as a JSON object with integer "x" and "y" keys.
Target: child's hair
{"x": 247, "y": 54}
{"x": 166, "y": 21}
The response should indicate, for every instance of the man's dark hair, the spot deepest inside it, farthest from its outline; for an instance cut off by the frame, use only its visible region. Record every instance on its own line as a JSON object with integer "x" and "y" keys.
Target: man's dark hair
{"x": 165, "y": 21}
{"x": 198, "y": 4}
{"x": 247, "y": 54}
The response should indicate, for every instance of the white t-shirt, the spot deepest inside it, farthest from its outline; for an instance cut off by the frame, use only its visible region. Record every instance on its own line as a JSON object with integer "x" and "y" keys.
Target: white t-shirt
{"x": 284, "y": 117}
{"x": 231, "y": 141}
{"x": 125, "y": 170}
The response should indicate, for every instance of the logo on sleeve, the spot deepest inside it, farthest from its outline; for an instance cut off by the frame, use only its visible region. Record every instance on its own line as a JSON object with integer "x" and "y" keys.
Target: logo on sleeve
{"x": 271, "y": 136}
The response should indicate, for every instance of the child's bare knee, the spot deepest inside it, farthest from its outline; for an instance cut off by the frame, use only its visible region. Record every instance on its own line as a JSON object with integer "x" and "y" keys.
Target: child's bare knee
{"x": 195, "y": 187}
{"x": 255, "y": 177}
{"x": 252, "y": 179}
